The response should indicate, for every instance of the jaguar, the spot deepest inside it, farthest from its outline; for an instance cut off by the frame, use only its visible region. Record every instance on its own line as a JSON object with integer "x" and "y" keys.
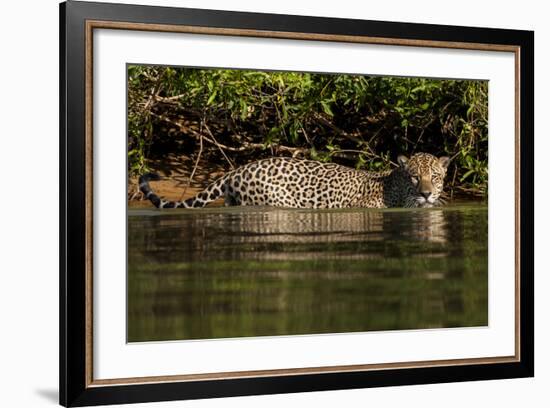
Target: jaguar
{"x": 297, "y": 183}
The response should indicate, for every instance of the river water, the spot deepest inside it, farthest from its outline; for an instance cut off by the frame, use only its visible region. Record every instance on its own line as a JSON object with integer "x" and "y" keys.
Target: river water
{"x": 252, "y": 271}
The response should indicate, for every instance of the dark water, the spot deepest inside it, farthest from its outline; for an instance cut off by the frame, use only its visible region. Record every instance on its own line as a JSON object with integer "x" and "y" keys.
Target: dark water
{"x": 243, "y": 271}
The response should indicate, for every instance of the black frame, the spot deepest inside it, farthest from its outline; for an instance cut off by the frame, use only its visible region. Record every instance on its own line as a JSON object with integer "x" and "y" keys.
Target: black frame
{"x": 73, "y": 390}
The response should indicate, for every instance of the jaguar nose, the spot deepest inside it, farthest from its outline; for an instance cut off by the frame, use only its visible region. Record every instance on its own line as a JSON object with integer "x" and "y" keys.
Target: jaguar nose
{"x": 426, "y": 194}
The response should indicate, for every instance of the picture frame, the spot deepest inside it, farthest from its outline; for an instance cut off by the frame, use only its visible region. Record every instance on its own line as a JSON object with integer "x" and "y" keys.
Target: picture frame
{"x": 79, "y": 21}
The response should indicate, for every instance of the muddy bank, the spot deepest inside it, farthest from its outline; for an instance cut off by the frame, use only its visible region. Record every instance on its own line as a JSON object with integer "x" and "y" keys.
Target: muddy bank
{"x": 177, "y": 184}
{"x": 170, "y": 190}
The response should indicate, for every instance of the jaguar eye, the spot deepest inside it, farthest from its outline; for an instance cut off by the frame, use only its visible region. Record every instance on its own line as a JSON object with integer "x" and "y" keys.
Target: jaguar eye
{"x": 414, "y": 179}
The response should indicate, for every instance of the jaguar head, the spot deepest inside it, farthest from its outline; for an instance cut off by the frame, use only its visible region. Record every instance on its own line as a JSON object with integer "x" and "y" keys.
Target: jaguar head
{"x": 424, "y": 174}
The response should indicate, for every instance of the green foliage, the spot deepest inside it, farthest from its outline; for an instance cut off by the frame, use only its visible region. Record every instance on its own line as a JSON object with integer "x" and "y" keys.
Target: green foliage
{"x": 356, "y": 120}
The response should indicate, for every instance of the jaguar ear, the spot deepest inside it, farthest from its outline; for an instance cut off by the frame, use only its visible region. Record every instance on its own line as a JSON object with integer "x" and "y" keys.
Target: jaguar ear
{"x": 402, "y": 161}
{"x": 444, "y": 161}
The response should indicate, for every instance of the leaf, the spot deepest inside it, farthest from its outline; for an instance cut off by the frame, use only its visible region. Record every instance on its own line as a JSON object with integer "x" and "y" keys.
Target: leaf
{"x": 326, "y": 108}
{"x": 244, "y": 110}
{"x": 211, "y": 98}
{"x": 465, "y": 176}
{"x": 285, "y": 111}
{"x": 294, "y": 136}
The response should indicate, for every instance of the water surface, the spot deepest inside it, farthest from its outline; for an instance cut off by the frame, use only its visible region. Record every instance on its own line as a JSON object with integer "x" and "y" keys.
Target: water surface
{"x": 251, "y": 271}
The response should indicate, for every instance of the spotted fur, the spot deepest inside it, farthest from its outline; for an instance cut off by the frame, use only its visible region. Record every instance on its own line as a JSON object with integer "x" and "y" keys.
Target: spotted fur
{"x": 295, "y": 183}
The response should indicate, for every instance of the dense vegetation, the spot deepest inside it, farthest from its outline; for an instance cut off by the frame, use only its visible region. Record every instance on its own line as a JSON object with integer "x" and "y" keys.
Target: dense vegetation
{"x": 234, "y": 116}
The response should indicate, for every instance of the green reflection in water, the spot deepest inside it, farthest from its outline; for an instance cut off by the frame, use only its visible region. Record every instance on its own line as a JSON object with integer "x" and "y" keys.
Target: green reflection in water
{"x": 245, "y": 271}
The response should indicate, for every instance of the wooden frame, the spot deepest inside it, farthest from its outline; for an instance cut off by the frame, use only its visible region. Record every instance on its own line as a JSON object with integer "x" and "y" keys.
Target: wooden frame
{"x": 77, "y": 385}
